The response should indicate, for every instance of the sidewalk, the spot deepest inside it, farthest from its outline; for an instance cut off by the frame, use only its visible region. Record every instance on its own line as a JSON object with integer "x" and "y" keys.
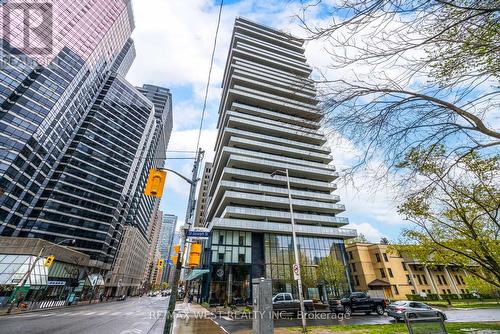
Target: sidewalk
{"x": 193, "y": 318}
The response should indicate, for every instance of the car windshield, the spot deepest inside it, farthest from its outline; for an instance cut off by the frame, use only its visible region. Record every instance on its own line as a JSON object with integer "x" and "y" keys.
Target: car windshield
{"x": 400, "y": 302}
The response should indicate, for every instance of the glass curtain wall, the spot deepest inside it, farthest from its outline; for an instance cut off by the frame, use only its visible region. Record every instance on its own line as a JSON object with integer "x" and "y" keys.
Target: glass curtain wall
{"x": 279, "y": 258}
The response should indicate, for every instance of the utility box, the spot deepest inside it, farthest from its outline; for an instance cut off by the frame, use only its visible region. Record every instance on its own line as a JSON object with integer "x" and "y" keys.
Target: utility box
{"x": 262, "y": 306}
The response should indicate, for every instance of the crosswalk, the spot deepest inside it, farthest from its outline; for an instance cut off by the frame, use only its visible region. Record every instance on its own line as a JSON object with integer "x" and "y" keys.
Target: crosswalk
{"x": 85, "y": 314}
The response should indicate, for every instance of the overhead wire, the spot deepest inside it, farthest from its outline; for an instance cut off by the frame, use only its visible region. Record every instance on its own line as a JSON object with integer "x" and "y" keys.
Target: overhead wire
{"x": 209, "y": 76}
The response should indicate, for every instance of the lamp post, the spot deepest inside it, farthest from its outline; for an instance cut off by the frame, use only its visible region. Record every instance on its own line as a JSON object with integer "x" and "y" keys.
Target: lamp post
{"x": 294, "y": 242}
{"x": 28, "y": 273}
{"x": 168, "y": 328}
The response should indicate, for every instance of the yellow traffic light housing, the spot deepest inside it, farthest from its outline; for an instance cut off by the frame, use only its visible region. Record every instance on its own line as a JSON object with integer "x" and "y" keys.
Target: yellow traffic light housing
{"x": 160, "y": 263}
{"x": 156, "y": 182}
{"x": 194, "y": 255}
{"x": 49, "y": 260}
{"x": 177, "y": 249}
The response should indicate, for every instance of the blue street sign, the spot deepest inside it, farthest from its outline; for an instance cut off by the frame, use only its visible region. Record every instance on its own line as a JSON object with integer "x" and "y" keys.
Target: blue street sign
{"x": 197, "y": 234}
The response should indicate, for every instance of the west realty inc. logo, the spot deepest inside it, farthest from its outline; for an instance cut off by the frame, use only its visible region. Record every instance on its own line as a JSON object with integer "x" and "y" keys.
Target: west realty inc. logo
{"x": 28, "y": 27}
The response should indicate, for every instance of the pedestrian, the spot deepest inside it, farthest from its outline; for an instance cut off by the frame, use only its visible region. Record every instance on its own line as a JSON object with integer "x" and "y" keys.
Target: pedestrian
{"x": 101, "y": 297}
{"x": 19, "y": 300}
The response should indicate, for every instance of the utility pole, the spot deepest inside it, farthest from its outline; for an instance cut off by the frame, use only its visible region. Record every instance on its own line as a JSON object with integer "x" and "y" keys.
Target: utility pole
{"x": 169, "y": 317}
{"x": 295, "y": 250}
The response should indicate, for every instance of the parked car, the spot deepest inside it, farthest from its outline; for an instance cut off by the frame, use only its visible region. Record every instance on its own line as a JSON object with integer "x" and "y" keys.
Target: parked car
{"x": 358, "y": 302}
{"x": 285, "y": 302}
{"x": 405, "y": 308}
{"x": 122, "y": 297}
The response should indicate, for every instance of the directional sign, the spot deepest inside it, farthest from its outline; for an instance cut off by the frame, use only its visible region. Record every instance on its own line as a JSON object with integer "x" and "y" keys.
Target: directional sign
{"x": 296, "y": 272}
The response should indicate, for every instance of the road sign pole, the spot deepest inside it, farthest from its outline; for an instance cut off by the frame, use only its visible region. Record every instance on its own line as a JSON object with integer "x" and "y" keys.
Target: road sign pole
{"x": 296, "y": 253}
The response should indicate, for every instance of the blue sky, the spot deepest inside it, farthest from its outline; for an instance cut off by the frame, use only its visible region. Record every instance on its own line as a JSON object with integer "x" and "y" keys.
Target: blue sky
{"x": 174, "y": 41}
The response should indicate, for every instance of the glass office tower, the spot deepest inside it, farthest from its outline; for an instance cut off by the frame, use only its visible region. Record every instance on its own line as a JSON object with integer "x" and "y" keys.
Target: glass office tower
{"x": 76, "y": 140}
{"x": 269, "y": 120}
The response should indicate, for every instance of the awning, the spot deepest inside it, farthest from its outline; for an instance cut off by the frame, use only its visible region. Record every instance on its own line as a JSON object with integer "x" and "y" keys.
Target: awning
{"x": 196, "y": 273}
{"x": 377, "y": 283}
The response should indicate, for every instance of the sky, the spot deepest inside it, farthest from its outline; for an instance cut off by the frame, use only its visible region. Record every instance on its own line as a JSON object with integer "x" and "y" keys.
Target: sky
{"x": 174, "y": 40}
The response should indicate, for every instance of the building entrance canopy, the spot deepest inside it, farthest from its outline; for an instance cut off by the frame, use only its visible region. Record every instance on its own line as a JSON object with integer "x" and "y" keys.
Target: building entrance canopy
{"x": 196, "y": 274}
{"x": 14, "y": 267}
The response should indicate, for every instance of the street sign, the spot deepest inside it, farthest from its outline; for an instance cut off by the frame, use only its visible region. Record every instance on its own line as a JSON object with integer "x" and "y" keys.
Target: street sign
{"x": 296, "y": 272}
{"x": 56, "y": 283}
{"x": 198, "y": 232}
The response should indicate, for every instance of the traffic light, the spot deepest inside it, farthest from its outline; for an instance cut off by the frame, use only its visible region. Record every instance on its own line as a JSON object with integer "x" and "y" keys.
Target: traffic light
{"x": 49, "y": 260}
{"x": 156, "y": 181}
{"x": 160, "y": 263}
{"x": 177, "y": 250}
{"x": 194, "y": 255}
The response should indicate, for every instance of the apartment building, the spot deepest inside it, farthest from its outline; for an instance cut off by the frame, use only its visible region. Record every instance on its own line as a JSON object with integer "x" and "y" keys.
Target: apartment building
{"x": 376, "y": 269}
{"x": 202, "y": 199}
{"x": 269, "y": 120}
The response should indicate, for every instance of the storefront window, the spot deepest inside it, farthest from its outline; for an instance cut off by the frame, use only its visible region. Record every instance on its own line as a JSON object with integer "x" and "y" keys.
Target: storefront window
{"x": 279, "y": 257}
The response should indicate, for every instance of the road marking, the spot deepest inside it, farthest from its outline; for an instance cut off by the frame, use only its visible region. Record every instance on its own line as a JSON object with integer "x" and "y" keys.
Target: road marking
{"x": 227, "y": 318}
{"x": 223, "y": 329}
{"x": 62, "y": 314}
{"x": 89, "y": 313}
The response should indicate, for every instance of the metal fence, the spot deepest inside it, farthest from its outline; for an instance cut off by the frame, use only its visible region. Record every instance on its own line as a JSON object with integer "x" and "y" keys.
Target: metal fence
{"x": 425, "y": 322}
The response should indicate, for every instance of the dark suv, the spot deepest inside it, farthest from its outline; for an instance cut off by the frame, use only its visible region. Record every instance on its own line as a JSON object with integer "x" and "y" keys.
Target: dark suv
{"x": 358, "y": 302}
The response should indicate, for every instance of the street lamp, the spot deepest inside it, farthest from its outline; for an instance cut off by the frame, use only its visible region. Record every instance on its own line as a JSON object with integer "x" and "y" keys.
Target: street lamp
{"x": 28, "y": 273}
{"x": 294, "y": 242}
{"x": 168, "y": 328}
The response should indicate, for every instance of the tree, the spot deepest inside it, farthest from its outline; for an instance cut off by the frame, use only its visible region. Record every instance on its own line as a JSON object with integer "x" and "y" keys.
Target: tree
{"x": 308, "y": 273}
{"x": 480, "y": 286}
{"x": 332, "y": 272}
{"x": 360, "y": 238}
{"x": 384, "y": 241}
{"x": 456, "y": 219}
{"x": 411, "y": 74}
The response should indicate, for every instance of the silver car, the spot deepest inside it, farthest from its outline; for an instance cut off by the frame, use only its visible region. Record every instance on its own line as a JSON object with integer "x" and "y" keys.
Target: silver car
{"x": 405, "y": 308}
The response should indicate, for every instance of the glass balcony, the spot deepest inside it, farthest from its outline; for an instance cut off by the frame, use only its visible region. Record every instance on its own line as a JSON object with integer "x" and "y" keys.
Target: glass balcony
{"x": 252, "y": 213}
{"x": 276, "y": 227}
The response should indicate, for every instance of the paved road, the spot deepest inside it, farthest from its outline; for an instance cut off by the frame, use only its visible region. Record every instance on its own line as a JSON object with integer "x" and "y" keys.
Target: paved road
{"x": 133, "y": 316}
{"x": 233, "y": 325}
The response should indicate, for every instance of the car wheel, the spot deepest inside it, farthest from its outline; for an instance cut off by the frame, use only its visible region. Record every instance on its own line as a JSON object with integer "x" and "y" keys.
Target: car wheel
{"x": 379, "y": 309}
{"x": 412, "y": 316}
{"x": 347, "y": 310}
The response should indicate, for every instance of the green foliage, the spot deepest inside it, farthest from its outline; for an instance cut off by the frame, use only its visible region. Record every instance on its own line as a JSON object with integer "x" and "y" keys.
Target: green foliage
{"x": 361, "y": 238}
{"x": 456, "y": 215}
{"x": 332, "y": 272}
{"x": 482, "y": 287}
{"x": 468, "y": 47}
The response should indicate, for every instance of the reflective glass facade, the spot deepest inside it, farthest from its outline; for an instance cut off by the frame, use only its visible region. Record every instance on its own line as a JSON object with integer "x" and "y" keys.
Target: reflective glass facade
{"x": 76, "y": 139}
{"x": 45, "y": 97}
{"x": 86, "y": 197}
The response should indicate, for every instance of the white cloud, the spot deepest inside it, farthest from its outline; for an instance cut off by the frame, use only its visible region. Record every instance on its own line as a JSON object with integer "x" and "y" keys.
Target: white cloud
{"x": 370, "y": 232}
